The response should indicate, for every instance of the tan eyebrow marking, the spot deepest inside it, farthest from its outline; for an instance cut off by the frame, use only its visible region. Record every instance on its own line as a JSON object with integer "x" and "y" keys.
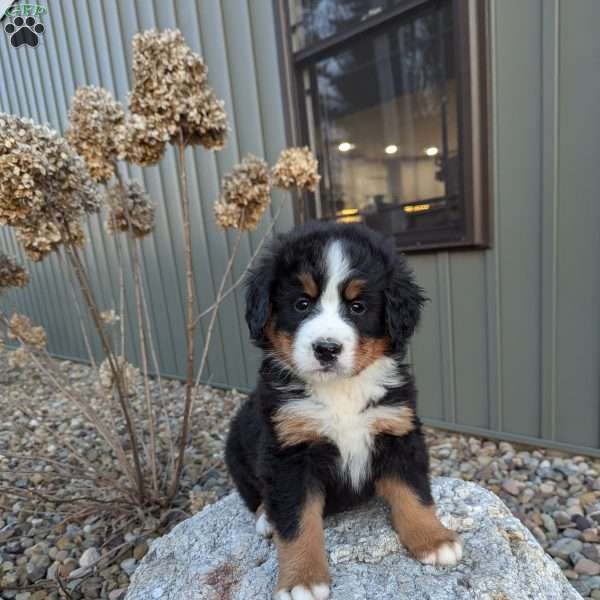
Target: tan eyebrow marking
{"x": 354, "y": 288}
{"x": 309, "y": 284}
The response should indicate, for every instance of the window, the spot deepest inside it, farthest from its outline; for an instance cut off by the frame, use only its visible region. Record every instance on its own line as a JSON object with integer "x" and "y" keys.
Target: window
{"x": 390, "y": 96}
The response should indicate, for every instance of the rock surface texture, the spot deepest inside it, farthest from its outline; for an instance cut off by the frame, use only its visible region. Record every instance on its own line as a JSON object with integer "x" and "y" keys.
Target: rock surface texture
{"x": 217, "y": 555}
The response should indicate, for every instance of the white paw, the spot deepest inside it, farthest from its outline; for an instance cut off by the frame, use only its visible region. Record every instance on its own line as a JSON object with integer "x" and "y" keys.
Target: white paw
{"x": 319, "y": 591}
{"x": 446, "y": 555}
{"x": 263, "y": 526}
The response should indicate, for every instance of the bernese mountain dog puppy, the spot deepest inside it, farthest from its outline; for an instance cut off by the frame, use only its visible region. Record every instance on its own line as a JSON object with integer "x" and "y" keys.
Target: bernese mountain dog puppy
{"x": 332, "y": 420}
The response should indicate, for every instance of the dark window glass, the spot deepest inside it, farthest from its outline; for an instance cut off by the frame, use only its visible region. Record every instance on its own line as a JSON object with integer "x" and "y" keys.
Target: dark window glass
{"x": 316, "y": 20}
{"x": 384, "y": 119}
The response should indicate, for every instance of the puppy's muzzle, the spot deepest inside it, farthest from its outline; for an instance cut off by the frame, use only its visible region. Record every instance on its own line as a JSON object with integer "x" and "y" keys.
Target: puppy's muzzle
{"x": 327, "y": 351}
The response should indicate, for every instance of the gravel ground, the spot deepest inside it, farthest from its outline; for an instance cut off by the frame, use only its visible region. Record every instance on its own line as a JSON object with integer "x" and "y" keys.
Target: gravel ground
{"x": 557, "y": 496}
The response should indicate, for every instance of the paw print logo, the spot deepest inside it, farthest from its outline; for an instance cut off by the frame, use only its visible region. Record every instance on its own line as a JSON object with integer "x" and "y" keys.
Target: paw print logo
{"x": 24, "y": 31}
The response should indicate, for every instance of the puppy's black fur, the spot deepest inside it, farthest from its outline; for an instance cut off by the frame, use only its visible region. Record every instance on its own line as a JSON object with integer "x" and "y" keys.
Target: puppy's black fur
{"x": 281, "y": 477}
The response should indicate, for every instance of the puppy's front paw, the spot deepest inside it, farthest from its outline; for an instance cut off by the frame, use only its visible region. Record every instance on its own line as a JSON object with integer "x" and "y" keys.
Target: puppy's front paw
{"x": 446, "y": 554}
{"x": 317, "y": 591}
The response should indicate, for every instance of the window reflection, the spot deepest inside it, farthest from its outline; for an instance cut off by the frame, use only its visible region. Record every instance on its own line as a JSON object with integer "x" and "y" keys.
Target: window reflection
{"x": 316, "y": 20}
{"x": 384, "y": 114}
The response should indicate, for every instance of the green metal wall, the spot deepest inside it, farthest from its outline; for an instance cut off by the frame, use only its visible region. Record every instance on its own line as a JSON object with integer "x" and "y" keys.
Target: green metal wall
{"x": 511, "y": 340}
{"x": 510, "y": 343}
{"x": 89, "y": 42}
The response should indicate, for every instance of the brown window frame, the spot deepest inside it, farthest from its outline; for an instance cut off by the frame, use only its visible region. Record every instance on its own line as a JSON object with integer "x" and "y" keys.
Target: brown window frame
{"x": 471, "y": 37}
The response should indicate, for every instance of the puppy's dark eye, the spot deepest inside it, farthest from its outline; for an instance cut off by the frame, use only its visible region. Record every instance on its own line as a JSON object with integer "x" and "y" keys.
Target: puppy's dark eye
{"x": 357, "y": 308}
{"x": 302, "y": 305}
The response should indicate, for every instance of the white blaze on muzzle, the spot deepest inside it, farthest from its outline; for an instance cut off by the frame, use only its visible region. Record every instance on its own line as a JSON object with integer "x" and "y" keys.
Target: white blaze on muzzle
{"x": 327, "y": 322}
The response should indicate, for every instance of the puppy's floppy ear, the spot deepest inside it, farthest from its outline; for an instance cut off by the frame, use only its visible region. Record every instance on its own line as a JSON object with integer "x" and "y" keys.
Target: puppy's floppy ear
{"x": 404, "y": 300}
{"x": 258, "y": 300}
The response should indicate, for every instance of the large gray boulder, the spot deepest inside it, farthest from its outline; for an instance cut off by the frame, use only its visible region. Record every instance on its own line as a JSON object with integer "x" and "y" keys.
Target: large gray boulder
{"x": 216, "y": 555}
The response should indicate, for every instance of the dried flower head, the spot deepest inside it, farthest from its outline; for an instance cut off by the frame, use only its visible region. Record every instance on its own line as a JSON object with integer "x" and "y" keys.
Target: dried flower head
{"x": 44, "y": 184}
{"x": 11, "y": 273}
{"x": 109, "y": 317}
{"x": 245, "y": 195}
{"x": 207, "y": 121}
{"x": 296, "y": 168}
{"x": 45, "y": 237}
{"x": 20, "y": 328}
{"x": 93, "y": 118}
{"x": 19, "y": 358}
{"x": 171, "y": 91}
{"x": 138, "y": 142}
{"x": 130, "y": 207}
{"x": 129, "y": 372}
{"x": 200, "y": 499}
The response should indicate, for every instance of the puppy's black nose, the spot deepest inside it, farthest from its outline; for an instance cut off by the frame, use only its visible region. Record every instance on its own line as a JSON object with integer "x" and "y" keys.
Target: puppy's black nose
{"x": 326, "y": 351}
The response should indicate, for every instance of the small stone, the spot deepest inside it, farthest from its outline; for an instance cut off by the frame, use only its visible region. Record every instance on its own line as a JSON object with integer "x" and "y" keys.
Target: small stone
{"x": 591, "y": 551}
{"x": 563, "y": 547}
{"x": 588, "y": 499}
{"x": 129, "y": 565}
{"x": 80, "y": 572}
{"x": 89, "y": 557}
{"x": 590, "y": 535}
{"x": 67, "y": 567}
{"x": 547, "y": 489}
{"x": 585, "y": 566}
{"x": 540, "y": 536}
{"x": 575, "y": 509}
{"x": 581, "y": 522}
{"x": 573, "y": 534}
{"x": 550, "y": 525}
{"x": 563, "y": 518}
{"x": 117, "y": 594}
{"x": 140, "y": 550}
{"x": 571, "y": 574}
{"x": 512, "y": 487}
{"x": 64, "y": 543}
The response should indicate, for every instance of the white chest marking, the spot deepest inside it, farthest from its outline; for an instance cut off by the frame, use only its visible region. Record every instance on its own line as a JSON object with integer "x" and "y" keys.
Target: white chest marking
{"x": 340, "y": 409}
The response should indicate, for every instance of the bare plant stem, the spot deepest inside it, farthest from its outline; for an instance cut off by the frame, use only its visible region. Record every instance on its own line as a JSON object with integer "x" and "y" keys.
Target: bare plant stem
{"x": 113, "y": 363}
{"x": 86, "y": 409}
{"x": 137, "y": 285}
{"x": 242, "y": 276}
{"x": 190, "y": 325}
{"x": 217, "y": 304}
{"x": 84, "y": 333}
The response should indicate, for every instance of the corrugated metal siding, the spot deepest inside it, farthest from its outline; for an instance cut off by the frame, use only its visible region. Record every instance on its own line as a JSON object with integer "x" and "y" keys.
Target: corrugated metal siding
{"x": 510, "y": 342}
{"x": 89, "y": 42}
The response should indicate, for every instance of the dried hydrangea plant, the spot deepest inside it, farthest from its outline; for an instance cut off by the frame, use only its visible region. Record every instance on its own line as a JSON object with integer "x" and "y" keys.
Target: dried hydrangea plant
{"x": 21, "y": 328}
{"x": 130, "y": 208}
{"x": 296, "y": 168}
{"x": 246, "y": 190}
{"x": 130, "y": 375}
{"x": 11, "y": 273}
{"x": 171, "y": 91}
{"x": 245, "y": 195}
{"x": 45, "y": 187}
{"x": 138, "y": 142}
{"x": 109, "y": 317}
{"x": 94, "y": 117}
